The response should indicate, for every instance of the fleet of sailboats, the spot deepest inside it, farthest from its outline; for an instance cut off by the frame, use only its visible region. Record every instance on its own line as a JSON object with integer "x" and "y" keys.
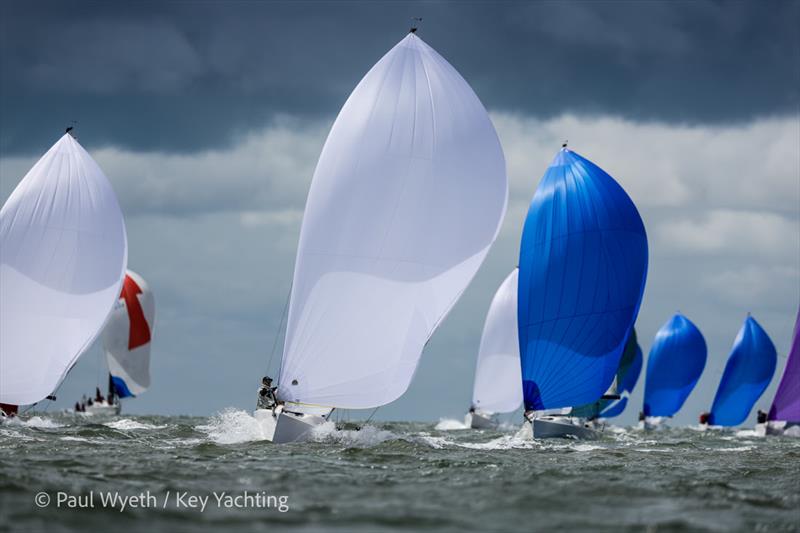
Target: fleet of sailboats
{"x": 406, "y": 200}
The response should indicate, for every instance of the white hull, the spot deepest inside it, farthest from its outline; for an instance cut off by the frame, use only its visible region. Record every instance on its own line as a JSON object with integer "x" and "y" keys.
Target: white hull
{"x": 550, "y": 427}
{"x": 480, "y": 420}
{"x": 781, "y": 428}
{"x": 283, "y": 427}
{"x": 103, "y": 408}
{"x": 652, "y": 423}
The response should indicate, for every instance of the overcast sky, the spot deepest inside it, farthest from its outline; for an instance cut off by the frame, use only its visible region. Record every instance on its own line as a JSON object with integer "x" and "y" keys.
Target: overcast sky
{"x": 208, "y": 118}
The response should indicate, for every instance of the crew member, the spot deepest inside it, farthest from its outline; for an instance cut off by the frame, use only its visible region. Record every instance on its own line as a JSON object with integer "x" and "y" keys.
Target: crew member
{"x": 266, "y": 394}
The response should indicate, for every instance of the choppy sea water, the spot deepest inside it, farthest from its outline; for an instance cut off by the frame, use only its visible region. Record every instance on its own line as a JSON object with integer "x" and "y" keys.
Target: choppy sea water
{"x": 399, "y": 476}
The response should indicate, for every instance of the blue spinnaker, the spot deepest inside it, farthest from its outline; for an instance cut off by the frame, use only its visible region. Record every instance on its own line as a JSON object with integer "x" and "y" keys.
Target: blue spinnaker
{"x": 676, "y": 361}
{"x": 625, "y": 382}
{"x": 121, "y": 388}
{"x": 630, "y": 366}
{"x": 631, "y": 376}
{"x": 749, "y": 370}
{"x": 582, "y": 270}
{"x": 616, "y": 409}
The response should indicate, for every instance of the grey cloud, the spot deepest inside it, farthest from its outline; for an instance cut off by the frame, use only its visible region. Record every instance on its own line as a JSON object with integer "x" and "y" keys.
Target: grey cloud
{"x": 186, "y": 76}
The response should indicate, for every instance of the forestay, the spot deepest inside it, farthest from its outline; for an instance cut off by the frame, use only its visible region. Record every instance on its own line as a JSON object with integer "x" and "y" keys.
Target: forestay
{"x": 583, "y": 263}
{"x": 786, "y": 405}
{"x": 64, "y": 252}
{"x": 497, "y": 375}
{"x": 406, "y": 200}
{"x": 127, "y": 337}
{"x": 677, "y": 359}
{"x": 748, "y": 372}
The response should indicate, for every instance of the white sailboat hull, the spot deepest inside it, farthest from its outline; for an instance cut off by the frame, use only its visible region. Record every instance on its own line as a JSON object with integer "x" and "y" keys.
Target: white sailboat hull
{"x": 102, "y": 408}
{"x": 283, "y": 427}
{"x": 652, "y": 423}
{"x": 552, "y": 427}
{"x": 480, "y": 420}
{"x": 780, "y": 428}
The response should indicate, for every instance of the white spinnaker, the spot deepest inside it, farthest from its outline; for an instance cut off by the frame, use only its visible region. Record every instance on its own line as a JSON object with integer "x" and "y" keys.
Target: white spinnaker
{"x": 127, "y": 336}
{"x": 498, "y": 377}
{"x": 63, "y": 252}
{"x": 407, "y": 197}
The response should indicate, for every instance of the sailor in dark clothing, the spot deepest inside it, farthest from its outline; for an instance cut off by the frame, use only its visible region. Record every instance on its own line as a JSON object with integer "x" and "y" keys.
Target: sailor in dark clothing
{"x": 266, "y": 394}
{"x": 762, "y": 417}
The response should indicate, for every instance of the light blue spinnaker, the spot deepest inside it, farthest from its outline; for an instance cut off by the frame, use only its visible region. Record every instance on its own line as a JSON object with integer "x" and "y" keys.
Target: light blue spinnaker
{"x": 677, "y": 359}
{"x": 748, "y": 372}
{"x": 583, "y": 264}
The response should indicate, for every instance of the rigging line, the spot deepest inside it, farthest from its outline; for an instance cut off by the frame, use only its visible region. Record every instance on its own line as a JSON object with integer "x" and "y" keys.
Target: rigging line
{"x": 370, "y": 417}
{"x": 280, "y": 325}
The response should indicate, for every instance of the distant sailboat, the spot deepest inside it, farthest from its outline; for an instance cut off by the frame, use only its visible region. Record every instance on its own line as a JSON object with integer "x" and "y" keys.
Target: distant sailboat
{"x": 614, "y": 401}
{"x": 784, "y": 415}
{"x": 676, "y": 361}
{"x": 406, "y": 200}
{"x": 497, "y": 386}
{"x": 64, "y": 252}
{"x": 127, "y": 339}
{"x": 748, "y": 372}
{"x": 582, "y": 270}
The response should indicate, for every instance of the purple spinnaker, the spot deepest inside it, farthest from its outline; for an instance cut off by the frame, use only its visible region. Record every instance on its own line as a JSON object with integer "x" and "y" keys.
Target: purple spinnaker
{"x": 786, "y": 405}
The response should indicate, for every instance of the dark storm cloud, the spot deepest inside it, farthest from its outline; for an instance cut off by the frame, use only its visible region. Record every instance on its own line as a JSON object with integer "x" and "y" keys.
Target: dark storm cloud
{"x": 185, "y": 76}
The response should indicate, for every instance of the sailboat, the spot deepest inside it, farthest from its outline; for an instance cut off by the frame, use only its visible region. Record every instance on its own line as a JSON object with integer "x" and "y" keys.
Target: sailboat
{"x": 582, "y": 271}
{"x": 64, "y": 252}
{"x": 676, "y": 361}
{"x": 497, "y": 387}
{"x": 615, "y": 400}
{"x": 747, "y": 374}
{"x": 406, "y": 200}
{"x": 784, "y": 415}
{"x": 126, "y": 338}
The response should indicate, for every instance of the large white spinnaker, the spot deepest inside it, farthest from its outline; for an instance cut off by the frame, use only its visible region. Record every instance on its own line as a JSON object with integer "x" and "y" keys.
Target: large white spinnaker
{"x": 127, "y": 337}
{"x": 497, "y": 375}
{"x": 63, "y": 252}
{"x": 407, "y": 197}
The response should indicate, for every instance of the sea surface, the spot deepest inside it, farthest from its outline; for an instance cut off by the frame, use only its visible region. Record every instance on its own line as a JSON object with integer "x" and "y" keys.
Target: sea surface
{"x": 395, "y": 476}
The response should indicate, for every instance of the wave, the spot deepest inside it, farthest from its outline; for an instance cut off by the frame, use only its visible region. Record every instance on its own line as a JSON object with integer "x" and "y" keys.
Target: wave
{"x": 232, "y": 426}
{"x": 450, "y": 424}
{"x": 126, "y": 424}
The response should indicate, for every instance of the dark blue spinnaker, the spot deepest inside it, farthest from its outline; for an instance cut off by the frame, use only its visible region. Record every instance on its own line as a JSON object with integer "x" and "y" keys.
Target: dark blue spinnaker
{"x": 677, "y": 359}
{"x": 748, "y": 372}
{"x": 582, "y": 270}
{"x": 630, "y": 366}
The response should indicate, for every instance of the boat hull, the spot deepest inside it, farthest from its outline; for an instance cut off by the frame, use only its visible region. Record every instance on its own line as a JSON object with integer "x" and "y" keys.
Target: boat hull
{"x": 283, "y": 427}
{"x": 102, "y": 409}
{"x": 478, "y": 420}
{"x": 557, "y": 427}
{"x": 652, "y": 423}
{"x": 781, "y": 428}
